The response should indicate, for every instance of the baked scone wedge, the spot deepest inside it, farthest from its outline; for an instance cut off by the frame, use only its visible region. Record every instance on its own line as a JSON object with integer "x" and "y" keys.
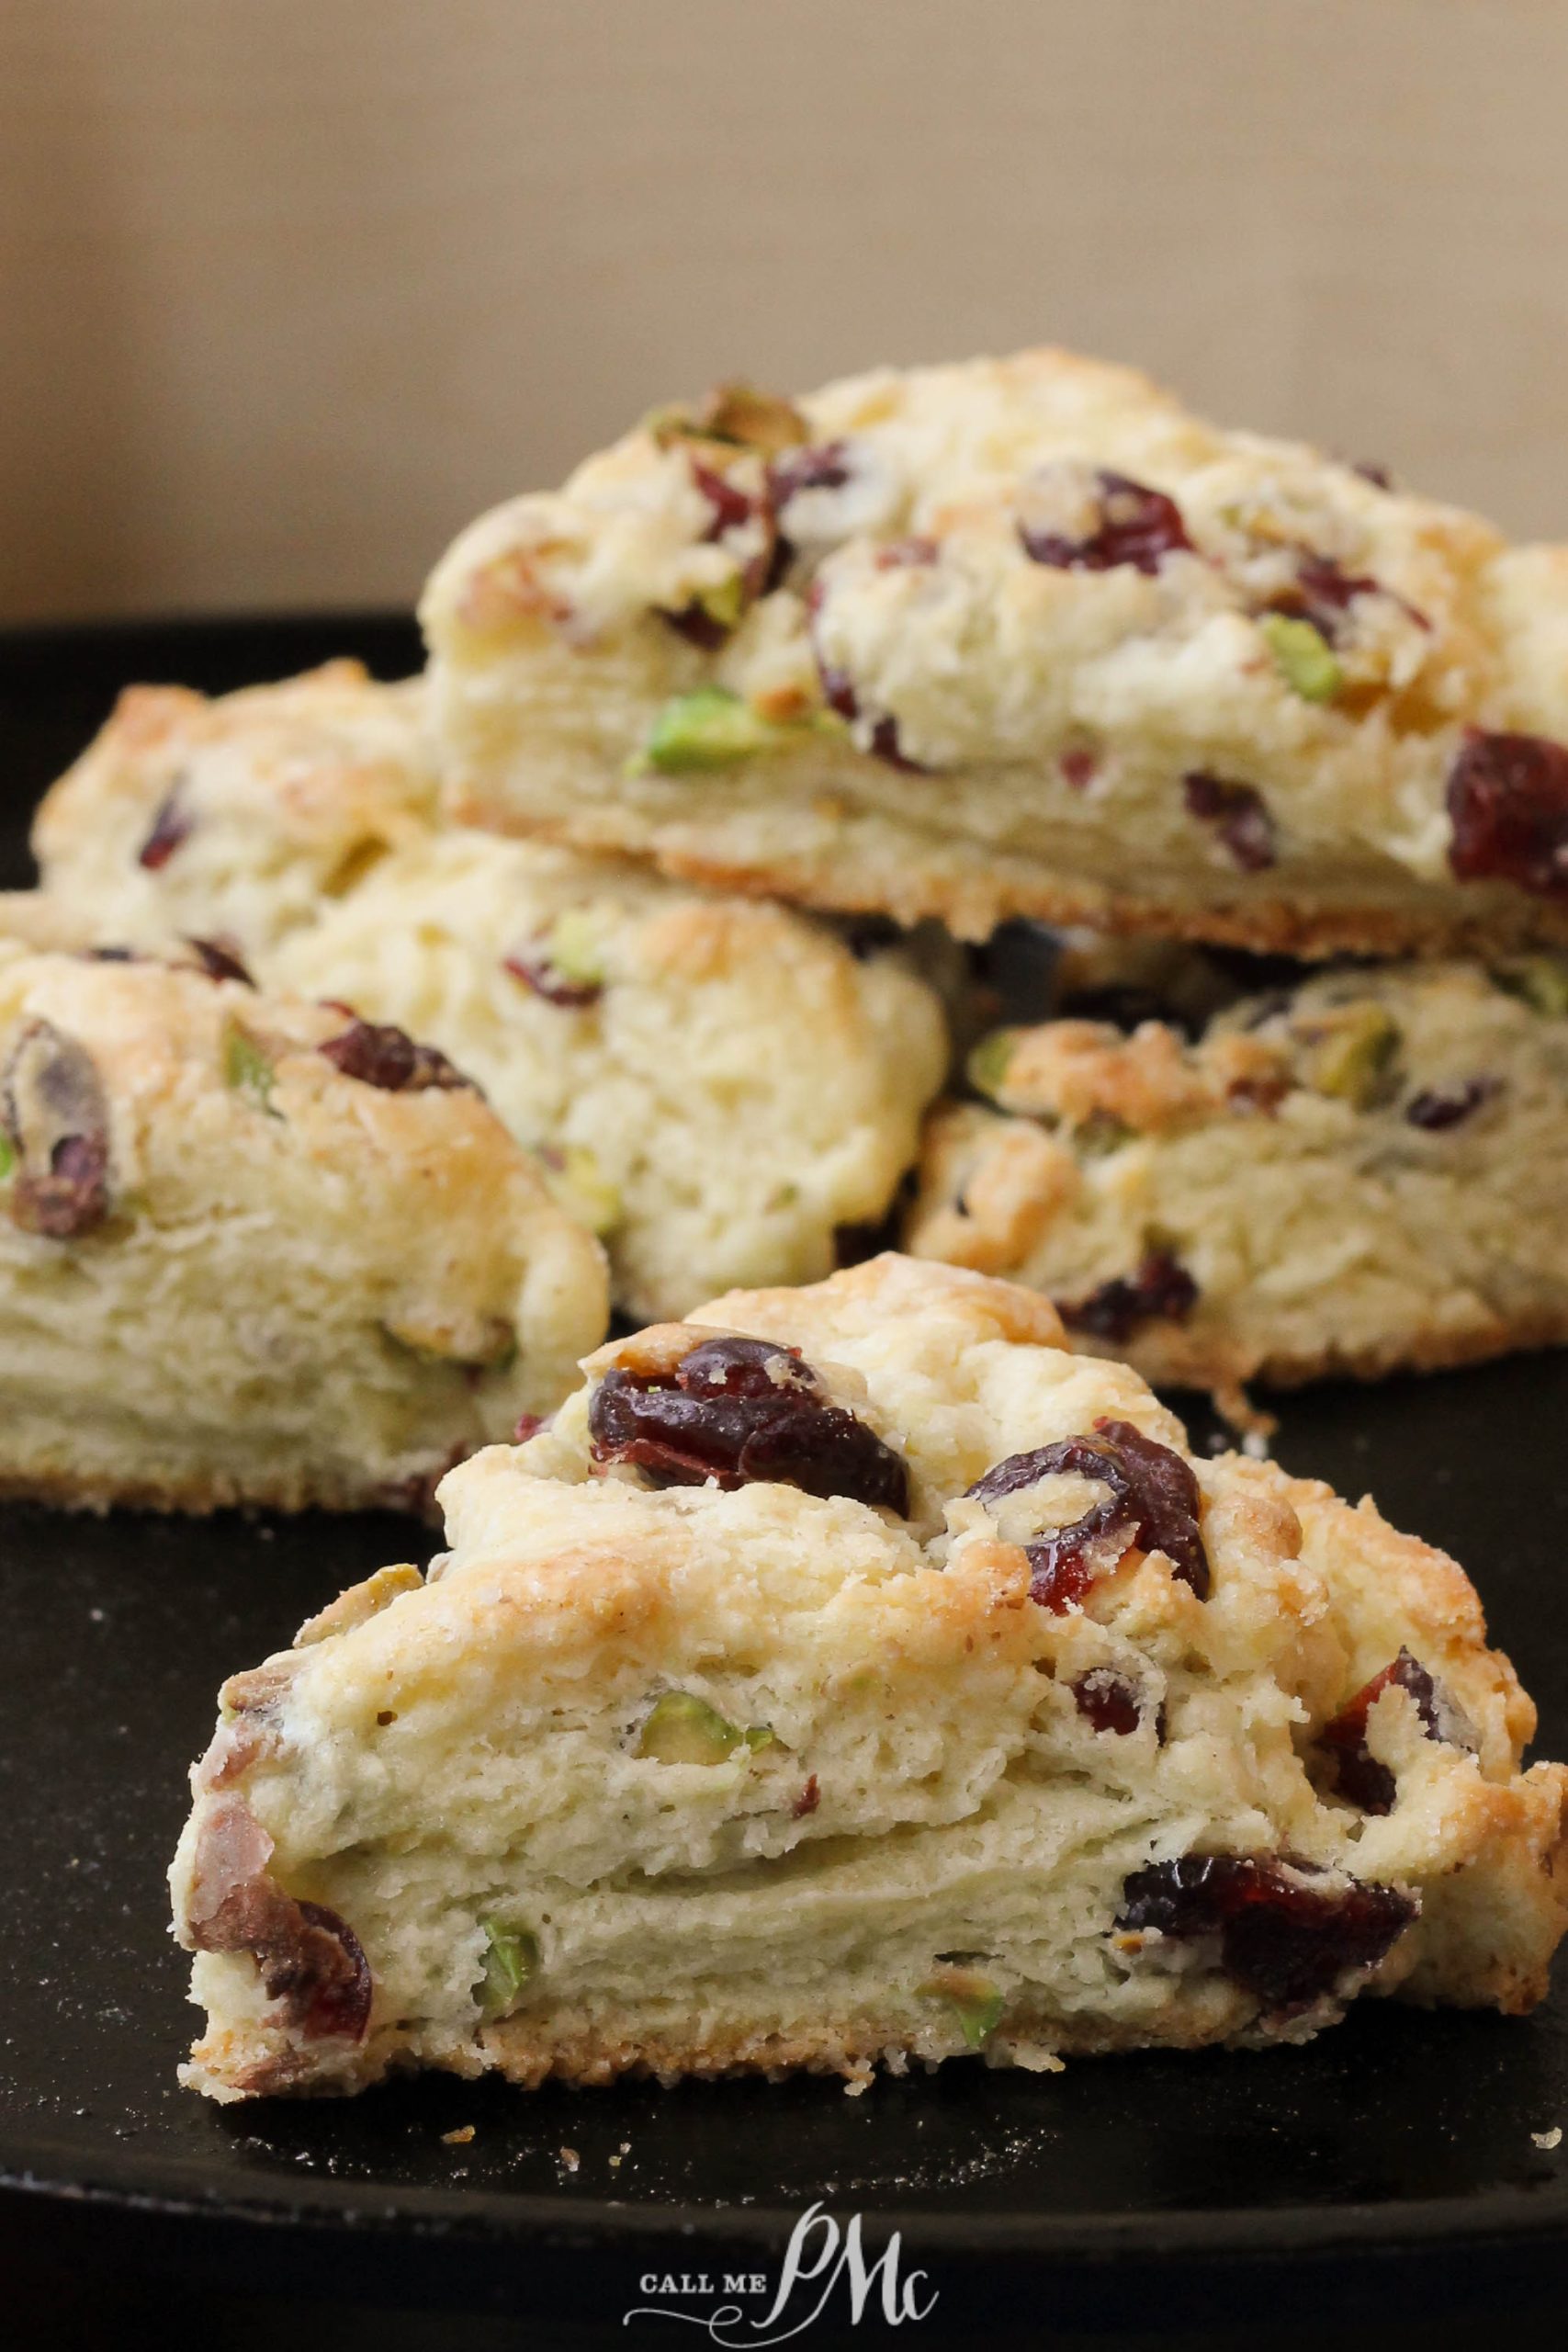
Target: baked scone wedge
{"x": 235, "y": 817}
{"x": 1361, "y": 1173}
{"x": 1019, "y": 637}
{"x": 962, "y": 1709}
{"x": 717, "y": 1087}
{"x": 713, "y": 1086}
{"x": 253, "y": 1250}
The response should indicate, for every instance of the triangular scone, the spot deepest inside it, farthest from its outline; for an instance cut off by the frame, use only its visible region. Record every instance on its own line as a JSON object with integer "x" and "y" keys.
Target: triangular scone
{"x": 716, "y": 1085}
{"x": 1022, "y": 1731}
{"x": 235, "y": 817}
{"x": 1364, "y": 1173}
{"x": 713, "y": 1086}
{"x": 1019, "y": 637}
{"x": 254, "y": 1250}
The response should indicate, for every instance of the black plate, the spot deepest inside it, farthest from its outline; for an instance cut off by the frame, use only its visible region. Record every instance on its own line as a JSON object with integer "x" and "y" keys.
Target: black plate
{"x": 1391, "y": 2164}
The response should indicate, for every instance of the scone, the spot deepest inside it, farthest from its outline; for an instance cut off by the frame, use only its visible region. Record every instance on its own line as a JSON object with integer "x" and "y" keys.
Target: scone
{"x": 234, "y": 819}
{"x": 1364, "y": 1172}
{"x": 1019, "y": 636}
{"x": 855, "y": 1673}
{"x": 717, "y": 1087}
{"x": 258, "y": 1251}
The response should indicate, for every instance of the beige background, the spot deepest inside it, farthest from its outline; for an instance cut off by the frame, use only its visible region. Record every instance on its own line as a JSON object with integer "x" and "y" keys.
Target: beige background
{"x": 288, "y": 288}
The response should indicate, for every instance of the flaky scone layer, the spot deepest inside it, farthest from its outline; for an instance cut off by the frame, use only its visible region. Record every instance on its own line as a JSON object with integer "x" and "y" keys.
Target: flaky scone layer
{"x": 713, "y": 1087}
{"x": 1019, "y": 636}
{"x": 691, "y": 1777}
{"x": 252, "y": 1253}
{"x": 1363, "y": 1174}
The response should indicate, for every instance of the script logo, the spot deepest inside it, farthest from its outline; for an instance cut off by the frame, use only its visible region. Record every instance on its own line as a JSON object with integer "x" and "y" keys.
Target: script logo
{"x": 819, "y": 2260}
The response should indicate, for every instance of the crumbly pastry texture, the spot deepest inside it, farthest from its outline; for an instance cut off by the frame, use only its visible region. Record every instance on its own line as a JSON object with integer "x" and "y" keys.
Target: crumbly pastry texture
{"x": 1361, "y": 1173}
{"x": 1019, "y": 636}
{"x": 253, "y": 1250}
{"x": 237, "y": 817}
{"x": 854, "y": 1674}
{"x": 717, "y": 1087}
{"x": 713, "y": 1086}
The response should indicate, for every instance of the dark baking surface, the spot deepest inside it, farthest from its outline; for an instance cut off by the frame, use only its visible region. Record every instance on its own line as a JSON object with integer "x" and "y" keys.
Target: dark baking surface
{"x": 1388, "y": 2166}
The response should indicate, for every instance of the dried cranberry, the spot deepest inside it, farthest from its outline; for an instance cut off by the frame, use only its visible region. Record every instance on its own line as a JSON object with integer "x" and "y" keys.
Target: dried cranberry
{"x": 839, "y": 695}
{"x": 546, "y": 979}
{"x": 1288, "y": 1931}
{"x": 1161, "y": 1286}
{"x": 737, "y": 1410}
{"x": 731, "y": 506}
{"x": 527, "y": 1425}
{"x": 1323, "y": 594}
{"x": 1078, "y": 768}
{"x": 1237, "y": 812}
{"x": 172, "y": 824}
{"x": 1508, "y": 801}
{"x": 380, "y": 1055}
{"x": 1438, "y": 1107}
{"x": 1357, "y": 1775}
{"x": 218, "y": 961}
{"x": 321, "y": 1972}
{"x": 1136, "y": 525}
{"x": 824, "y": 465}
{"x": 808, "y": 1801}
{"x": 1107, "y": 1701}
{"x": 1154, "y": 1501}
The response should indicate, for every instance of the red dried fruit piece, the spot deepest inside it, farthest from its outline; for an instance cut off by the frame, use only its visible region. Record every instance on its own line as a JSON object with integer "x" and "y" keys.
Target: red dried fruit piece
{"x": 737, "y": 1410}
{"x": 808, "y": 1801}
{"x": 1288, "y": 1931}
{"x": 380, "y": 1055}
{"x": 1436, "y": 1108}
{"x": 172, "y": 824}
{"x": 322, "y": 1976}
{"x": 546, "y": 979}
{"x": 218, "y": 960}
{"x": 1357, "y": 1775}
{"x": 1238, "y": 814}
{"x": 823, "y": 465}
{"x": 1161, "y": 1286}
{"x": 1508, "y": 801}
{"x": 309, "y": 1958}
{"x": 733, "y": 508}
{"x": 53, "y": 1111}
{"x": 1107, "y": 1701}
{"x": 1154, "y": 1501}
{"x": 1078, "y": 768}
{"x": 1136, "y": 525}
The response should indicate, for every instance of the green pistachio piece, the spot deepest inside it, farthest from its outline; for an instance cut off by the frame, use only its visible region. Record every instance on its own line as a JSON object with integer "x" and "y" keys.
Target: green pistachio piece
{"x": 680, "y": 1728}
{"x": 975, "y": 2004}
{"x": 1303, "y": 656}
{"x": 709, "y": 728}
{"x": 988, "y": 1065}
{"x": 1541, "y": 980}
{"x": 738, "y": 414}
{"x": 511, "y": 1961}
{"x": 8, "y": 1157}
{"x": 1101, "y": 1134}
{"x": 574, "y": 949}
{"x": 582, "y": 1187}
{"x": 1352, "y": 1058}
{"x": 725, "y": 603}
{"x": 247, "y": 1068}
